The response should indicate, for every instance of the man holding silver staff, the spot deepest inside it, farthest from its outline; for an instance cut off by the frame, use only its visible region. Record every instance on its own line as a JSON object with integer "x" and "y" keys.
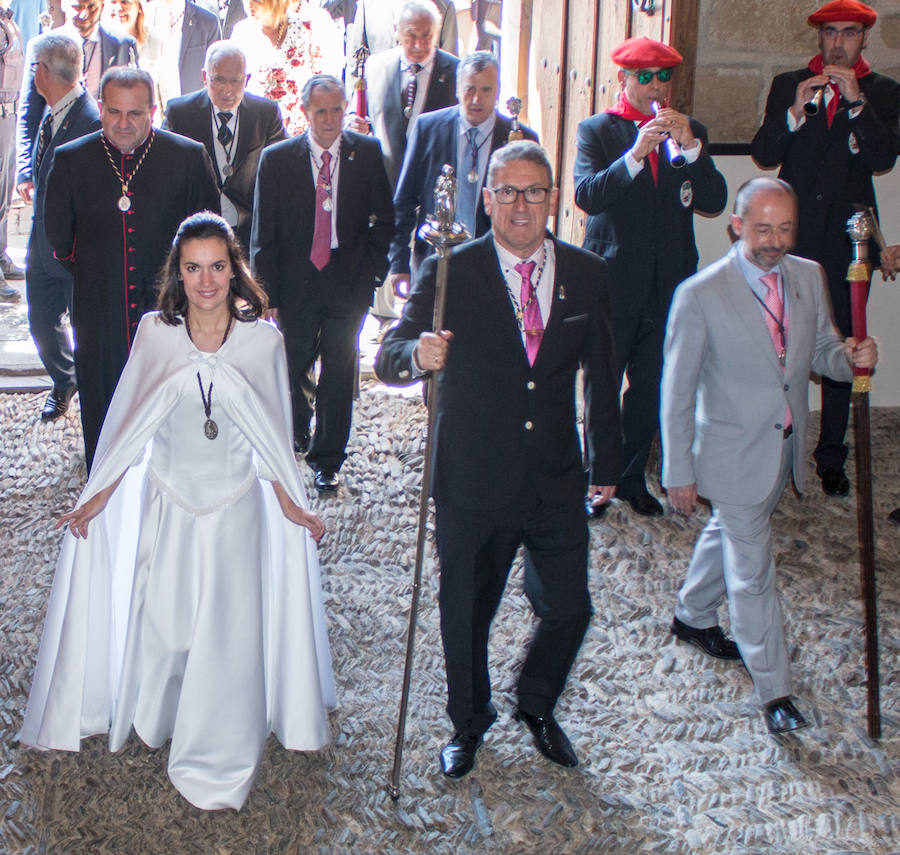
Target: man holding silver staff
{"x": 641, "y": 171}
{"x": 523, "y": 312}
{"x": 828, "y": 145}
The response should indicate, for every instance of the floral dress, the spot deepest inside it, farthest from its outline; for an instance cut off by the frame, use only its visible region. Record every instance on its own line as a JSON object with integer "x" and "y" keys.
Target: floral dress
{"x": 312, "y": 44}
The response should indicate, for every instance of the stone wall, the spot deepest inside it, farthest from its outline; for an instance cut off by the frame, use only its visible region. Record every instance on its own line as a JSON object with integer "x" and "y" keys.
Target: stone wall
{"x": 741, "y": 47}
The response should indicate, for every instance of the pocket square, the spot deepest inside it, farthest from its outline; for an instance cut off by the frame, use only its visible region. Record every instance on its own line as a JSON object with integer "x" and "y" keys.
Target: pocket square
{"x": 575, "y": 318}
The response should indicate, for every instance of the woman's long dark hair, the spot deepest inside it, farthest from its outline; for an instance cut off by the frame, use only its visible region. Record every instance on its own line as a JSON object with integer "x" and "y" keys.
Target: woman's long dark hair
{"x": 248, "y": 301}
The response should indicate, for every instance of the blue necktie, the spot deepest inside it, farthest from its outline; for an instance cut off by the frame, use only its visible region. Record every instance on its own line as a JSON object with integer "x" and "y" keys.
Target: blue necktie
{"x": 467, "y": 194}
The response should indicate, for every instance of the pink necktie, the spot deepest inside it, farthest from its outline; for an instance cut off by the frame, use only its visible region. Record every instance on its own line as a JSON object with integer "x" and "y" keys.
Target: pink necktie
{"x": 776, "y": 323}
{"x": 532, "y": 322}
{"x": 321, "y": 245}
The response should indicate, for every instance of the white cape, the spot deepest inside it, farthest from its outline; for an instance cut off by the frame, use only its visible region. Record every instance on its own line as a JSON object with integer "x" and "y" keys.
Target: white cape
{"x": 193, "y": 609}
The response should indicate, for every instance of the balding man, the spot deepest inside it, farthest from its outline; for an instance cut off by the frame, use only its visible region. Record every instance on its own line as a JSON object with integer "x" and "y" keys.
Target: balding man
{"x": 70, "y": 113}
{"x": 235, "y": 127}
{"x": 114, "y": 201}
{"x": 742, "y": 337}
{"x": 828, "y": 158}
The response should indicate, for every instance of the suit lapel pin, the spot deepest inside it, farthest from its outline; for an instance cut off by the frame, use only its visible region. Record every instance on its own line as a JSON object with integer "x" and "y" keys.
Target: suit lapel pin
{"x": 352, "y": 154}
{"x": 562, "y": 292}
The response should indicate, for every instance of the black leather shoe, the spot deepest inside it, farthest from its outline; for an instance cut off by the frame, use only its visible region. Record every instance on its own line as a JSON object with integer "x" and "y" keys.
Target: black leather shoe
{"x": 56, "y": 405}
{"x": 783, "y": 717}
{"x": 894, "y": 516}
{"x": 711, "y": 640}
{"x": 834, "y": 481}
{"x": 645, "y": 505}
{"x": 301, "y": 443}
{"x": 458, "y": 755}
{"x": 549, "y": 738}
{"x": 327, "y": 481}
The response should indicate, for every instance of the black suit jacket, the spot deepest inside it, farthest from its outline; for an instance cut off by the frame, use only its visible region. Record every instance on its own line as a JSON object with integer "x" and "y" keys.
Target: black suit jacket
{"x": 83, "y": 118}
{"x": 644, "y": 231}
{"x": 284, "y": 220}
{"x": 385, "y": 87}
{"x": 259, "y": 125}
{"x": 830, "y": 169}
{"x": 432, "y": 143}
{"x": 500, "y": 422}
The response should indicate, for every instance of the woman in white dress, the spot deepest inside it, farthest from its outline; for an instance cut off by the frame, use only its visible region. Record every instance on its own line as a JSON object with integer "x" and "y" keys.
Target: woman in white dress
{"x": 286, "y": 42}
{"x": 186, "y": 601}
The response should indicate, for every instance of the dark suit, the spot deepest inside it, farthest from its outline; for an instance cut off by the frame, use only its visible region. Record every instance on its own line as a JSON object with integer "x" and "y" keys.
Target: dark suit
{"x": 508, "y": 465}
{"x": 645, "y": 231}
{"x": 48, "y": 283}
{"x": 432, "y": 144}
{"x": 116, "y": 256}
{"x": 236, "y": 12}
{"x": 830, "y": 170}
{"x": 259, "y": 125}
{"x": 199, "y": 29}
{"x": 321, "y": 312}
{"x": 386, "y": 84}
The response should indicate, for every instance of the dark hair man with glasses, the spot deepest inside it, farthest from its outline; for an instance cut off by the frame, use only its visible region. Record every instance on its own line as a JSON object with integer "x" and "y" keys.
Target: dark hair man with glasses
{"x": 235, "y": 127}
{"x": 523, "y": 312}
{"x": 828, "y": 158}
{"x": 640, "y": 206}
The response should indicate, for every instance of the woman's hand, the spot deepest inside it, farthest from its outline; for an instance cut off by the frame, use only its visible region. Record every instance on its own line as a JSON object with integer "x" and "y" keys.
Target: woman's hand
{"x": 78, "y": 518}
{"x": 296, "y": 514}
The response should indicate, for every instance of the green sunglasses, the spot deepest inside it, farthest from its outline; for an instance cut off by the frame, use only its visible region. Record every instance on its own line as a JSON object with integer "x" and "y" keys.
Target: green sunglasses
{"x": 664, "y": 75}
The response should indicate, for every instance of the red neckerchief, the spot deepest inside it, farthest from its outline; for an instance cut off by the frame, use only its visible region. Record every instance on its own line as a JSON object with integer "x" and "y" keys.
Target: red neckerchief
{"x": 817, "y": 64}
{"x": 624, "y": 108}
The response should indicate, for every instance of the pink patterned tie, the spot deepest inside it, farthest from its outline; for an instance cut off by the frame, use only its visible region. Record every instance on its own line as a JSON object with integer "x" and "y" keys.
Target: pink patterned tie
{"x": 321, "y": 245}
{"x": 532, "y": 322}
{"x": 776, "y": 323}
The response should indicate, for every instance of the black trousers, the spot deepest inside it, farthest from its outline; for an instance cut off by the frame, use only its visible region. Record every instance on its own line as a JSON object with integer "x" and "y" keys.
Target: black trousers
{"x": 476, "y": 549}
{"x": 831, "y": 450}
{"x": 639, "y": 348}
{"x": 48, "y": 289}
{"x": 324, "y": 323}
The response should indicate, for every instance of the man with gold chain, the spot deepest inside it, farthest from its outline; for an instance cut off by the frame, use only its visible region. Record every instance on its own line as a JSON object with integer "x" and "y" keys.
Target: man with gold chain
{"x": 114, "y": 201}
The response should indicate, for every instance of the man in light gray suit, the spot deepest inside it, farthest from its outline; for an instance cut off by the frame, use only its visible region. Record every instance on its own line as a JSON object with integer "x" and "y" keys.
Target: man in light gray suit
{"x": 742, "y": 337}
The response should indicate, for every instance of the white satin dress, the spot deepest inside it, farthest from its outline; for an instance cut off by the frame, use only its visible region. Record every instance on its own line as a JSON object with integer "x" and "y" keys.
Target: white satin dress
{"x": 207, "y": 627}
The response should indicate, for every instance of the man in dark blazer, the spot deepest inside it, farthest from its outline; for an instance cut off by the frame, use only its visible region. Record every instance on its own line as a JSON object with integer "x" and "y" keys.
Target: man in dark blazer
{"x": 101, "y": 50}
{"x": 445, "y": 136}
{"x": 523, "y": 313}
{"x": 641, "y": 220}
{"x": 403, "y": 83}
{"x": 322, "y": 222}
{"x": 114, "y": 201}
{"x": 388, "y": 79}
{"x": 71, "y": 113}
{"x": 828, "y": 158}
{"x": 233, "y": 125}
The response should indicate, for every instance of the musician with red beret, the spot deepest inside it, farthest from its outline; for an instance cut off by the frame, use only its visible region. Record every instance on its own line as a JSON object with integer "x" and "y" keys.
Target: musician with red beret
{"x": 641, "y": 170}
{"x": 829, "y": 126}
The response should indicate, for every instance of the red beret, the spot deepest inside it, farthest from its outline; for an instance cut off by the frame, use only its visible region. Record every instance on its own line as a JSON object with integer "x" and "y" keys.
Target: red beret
{"x": 645, "y": 53}
{"x": 843, "y": 10}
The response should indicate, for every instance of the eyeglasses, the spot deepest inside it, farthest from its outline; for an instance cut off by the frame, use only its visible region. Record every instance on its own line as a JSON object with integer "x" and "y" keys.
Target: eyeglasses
{"x": 508, "y": 195}
{"x": 664, "y": 75}
{"x": 218, "y": 80}
{"x": 848, "y": 33}
{"x": 34, "y": 65}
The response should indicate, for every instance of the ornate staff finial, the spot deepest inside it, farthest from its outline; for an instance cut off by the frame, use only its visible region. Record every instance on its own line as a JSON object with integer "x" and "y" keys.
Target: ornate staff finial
{"x": 514, "y": 105}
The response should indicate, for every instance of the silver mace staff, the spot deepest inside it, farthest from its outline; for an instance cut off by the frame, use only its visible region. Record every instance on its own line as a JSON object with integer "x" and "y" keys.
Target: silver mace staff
{"x": 443, "y": 233}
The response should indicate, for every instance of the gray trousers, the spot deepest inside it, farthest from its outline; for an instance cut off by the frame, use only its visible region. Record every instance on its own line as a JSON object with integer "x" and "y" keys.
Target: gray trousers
{"x": 7, "y": 166}
{"x": 733, "y": 555}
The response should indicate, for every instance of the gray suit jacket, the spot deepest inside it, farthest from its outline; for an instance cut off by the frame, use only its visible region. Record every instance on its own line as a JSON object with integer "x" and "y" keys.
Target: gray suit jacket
{"x": 723, "y": 390}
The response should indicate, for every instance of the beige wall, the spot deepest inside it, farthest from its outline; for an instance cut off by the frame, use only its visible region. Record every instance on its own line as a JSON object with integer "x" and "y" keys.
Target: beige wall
{"x": 739, "y": 54}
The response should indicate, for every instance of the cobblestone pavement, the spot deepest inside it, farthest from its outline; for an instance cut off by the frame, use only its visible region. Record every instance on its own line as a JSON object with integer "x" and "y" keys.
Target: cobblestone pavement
{"x": 675, "y": 756}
